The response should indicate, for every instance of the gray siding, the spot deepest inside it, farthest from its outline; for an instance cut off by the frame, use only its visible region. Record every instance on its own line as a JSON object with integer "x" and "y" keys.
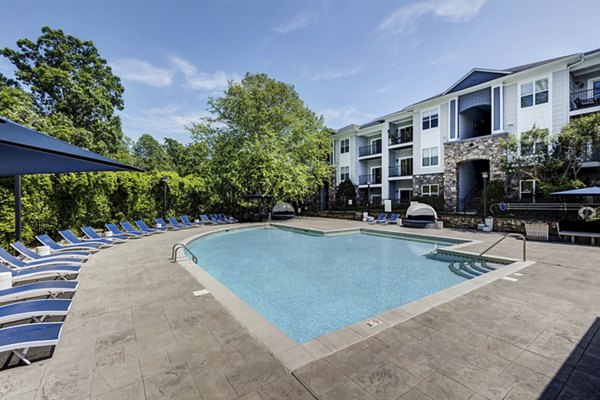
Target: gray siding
{"x": 510, "y": 108}
{"x": 444, "y": 118}
{"x": 559, "y": 100}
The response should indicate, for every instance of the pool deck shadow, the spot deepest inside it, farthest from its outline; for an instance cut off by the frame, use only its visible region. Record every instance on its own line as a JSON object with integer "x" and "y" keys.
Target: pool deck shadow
{"x": 136, "y": 331}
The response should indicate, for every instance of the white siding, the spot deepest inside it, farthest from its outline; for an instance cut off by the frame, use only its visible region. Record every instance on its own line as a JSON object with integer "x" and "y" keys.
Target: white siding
{"x": 510, "y": 108}
{"x": 559, "y": 100}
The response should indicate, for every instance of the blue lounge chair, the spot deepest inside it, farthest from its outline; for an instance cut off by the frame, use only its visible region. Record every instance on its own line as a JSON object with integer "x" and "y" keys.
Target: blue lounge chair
{"x": 381, "y": 218}
{"x": 215, "y": 219}
{"x": 92, "y": 234}
{"x": 164, "y": 224}
{"x": 21, "y": 264}
{"x": 37, "y": 310}
{"x": 204, "y": 218}
{"x": 48, "y": 241}
{"x": 229, "y": 220}
{"x": 71, "y": 238}
{"x": 38, "y": 289}
{"x": 393, "y": 219}
{"x": 19, "y": 339}
{"x": 55, "y": 271}
{"x": 176, "y": 223}
{"x": 27, "y": 252}
{"x": 145, "y": 228}
{"x": 116, "y": 231}
{"x": 186, "y": 220}
{"x": 130, "y": 229}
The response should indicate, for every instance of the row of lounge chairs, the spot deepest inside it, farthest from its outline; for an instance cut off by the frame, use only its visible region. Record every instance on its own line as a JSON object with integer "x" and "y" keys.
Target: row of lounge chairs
{"x": 35, "y": 298}
{"x": 384, "y": 220}
{"x": 25, "y": 308}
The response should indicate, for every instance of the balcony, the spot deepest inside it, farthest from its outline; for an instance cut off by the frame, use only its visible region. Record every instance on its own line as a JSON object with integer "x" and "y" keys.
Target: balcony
{"x": 585, "y": 99}
{"x": 375, "y": 148}
{"x": 401, "y": 170}
{"x": 372, "y": 179}
{"x": 402, "y": 137}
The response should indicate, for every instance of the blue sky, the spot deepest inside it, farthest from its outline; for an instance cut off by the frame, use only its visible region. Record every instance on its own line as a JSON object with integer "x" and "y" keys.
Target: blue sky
{"x": 351, "y": 61}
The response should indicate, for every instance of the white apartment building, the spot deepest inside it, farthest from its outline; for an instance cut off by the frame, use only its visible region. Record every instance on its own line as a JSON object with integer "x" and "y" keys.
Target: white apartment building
{"x": 445, "y": 145}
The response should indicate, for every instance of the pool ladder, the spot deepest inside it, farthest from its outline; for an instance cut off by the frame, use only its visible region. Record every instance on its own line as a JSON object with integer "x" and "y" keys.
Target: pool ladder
{"x": 181, "y": 246}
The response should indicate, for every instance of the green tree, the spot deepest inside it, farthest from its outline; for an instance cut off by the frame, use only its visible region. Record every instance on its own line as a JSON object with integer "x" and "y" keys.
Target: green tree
{"x": 576, "y": 142}
{"x": 150, "y": 155}
{"x": 261, "y": 138}
{"x": 66, "y": 76}
{"x": 345, "y": 191}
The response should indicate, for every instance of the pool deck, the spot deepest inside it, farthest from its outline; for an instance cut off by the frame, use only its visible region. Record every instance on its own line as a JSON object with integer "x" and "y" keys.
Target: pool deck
{"x": 136, "y": 331}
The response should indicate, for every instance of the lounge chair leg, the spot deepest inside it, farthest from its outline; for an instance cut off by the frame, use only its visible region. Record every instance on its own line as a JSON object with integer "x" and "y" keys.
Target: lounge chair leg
{"x": 22, "y": 355}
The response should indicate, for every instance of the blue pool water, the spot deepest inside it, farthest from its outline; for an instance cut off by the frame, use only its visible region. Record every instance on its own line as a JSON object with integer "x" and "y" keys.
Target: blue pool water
{"x": 309, "y": 285}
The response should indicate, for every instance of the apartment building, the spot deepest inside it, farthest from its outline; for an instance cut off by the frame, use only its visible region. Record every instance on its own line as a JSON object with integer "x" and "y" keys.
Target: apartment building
{"x": 448, "y": 144}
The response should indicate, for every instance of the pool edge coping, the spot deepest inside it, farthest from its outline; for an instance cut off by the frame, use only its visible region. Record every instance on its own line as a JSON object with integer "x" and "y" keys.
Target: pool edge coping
{"x": 293, "y": 355}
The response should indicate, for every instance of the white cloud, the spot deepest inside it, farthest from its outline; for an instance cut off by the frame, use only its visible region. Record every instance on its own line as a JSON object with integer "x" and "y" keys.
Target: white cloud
{"x": 441, "y": 59}
{"x": 199, "y": 80}
{"x": 298, "y": 21}
{"x": 340, "y": 117}
{"x": 142, "y": 71}
{"x": 404, "y": 19}
{"x": 160, "y": 122}
{"x": 329, "y": 74}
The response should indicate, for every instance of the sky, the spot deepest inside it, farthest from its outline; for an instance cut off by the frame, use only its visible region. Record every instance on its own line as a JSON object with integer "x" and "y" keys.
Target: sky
{"x": 350, "y": 60}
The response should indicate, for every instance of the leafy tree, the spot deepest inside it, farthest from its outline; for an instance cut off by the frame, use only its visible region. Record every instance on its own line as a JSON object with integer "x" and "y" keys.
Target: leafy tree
{"x": 66, "y": 76}
{"x": 576, "y": 141}
{"x": 261, "y": 138}
{"x": 150, "y": 155}
{"x": 345, "y": 191}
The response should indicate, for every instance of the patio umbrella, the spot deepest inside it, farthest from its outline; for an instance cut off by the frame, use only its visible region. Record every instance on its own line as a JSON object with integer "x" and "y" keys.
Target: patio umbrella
{"x": 24, "y": 151}
{"x": 588, "y": 191}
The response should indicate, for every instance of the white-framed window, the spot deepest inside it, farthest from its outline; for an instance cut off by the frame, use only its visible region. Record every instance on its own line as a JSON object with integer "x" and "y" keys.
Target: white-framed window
{"x": 527, "y": 188}
{"x": 344, "y": 173}
{"x": 430, "y": 119}
{"x": 430, "y": 190}
{"x": 536, "y": 148}
{"x": 344, "y": 146}
{"x": 534, "y": 93}
{"x": 430, "y": 157}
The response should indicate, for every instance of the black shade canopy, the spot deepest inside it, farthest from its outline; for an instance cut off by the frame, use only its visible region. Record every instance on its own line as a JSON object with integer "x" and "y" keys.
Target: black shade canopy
{"x": 25, "y": 151}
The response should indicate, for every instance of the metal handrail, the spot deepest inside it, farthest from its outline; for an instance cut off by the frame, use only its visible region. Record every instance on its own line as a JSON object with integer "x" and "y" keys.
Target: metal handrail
{"x": 504, "y": 237}
{"x": 177, "y": 247}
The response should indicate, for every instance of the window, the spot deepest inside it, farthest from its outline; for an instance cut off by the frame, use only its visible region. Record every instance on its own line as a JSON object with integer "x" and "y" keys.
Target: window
{"x": 430, "y": 119}
{"x": 344, "y": 146}
{"x": 527, "y": 188}
{"x": 430, "y": 190}
{"x": 430, "y": 157}
{"x": 344, "y": 173}
{"x": 534, "y": 93}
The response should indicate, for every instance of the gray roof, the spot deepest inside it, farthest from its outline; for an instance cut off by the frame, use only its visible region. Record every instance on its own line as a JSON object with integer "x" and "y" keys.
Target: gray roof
{"x": 509, "y": 71}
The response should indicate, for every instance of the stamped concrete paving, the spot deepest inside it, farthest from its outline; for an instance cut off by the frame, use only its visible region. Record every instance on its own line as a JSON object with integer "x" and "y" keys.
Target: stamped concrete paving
{"x": 136, "y": 332}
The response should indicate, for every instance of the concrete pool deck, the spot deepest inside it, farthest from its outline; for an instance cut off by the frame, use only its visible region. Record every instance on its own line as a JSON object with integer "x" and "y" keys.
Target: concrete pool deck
{"x": 136, "y": 331}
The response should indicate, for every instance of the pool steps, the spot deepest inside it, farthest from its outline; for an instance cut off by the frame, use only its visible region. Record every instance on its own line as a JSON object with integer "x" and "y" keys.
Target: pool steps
{"x": 470, "y": 269}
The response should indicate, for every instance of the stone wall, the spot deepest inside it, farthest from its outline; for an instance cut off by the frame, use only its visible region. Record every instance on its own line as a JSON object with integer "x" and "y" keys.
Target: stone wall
{"x": 429, "y": 179}
{"x": 479, "y": 148}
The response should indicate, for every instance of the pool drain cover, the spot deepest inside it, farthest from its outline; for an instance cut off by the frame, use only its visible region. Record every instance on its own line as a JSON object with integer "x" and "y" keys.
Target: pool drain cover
{"x": 372, "y": 323}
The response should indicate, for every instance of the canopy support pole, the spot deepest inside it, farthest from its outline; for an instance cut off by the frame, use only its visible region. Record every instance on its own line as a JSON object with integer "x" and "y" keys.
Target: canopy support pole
{"x": 18, "y": 207}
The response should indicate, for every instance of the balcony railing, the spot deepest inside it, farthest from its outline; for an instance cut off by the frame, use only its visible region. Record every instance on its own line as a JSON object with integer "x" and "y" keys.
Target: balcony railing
{"x": 401, "y": 170}
{"x": 375, "y": 148}
{"x": 400, "y": 138}
{"x": 585, "y": 99}
{"x": 369, "y": 179}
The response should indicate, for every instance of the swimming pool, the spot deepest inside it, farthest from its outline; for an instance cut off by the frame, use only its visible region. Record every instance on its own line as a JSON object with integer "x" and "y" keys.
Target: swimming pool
{"x": 308, "y": 285}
